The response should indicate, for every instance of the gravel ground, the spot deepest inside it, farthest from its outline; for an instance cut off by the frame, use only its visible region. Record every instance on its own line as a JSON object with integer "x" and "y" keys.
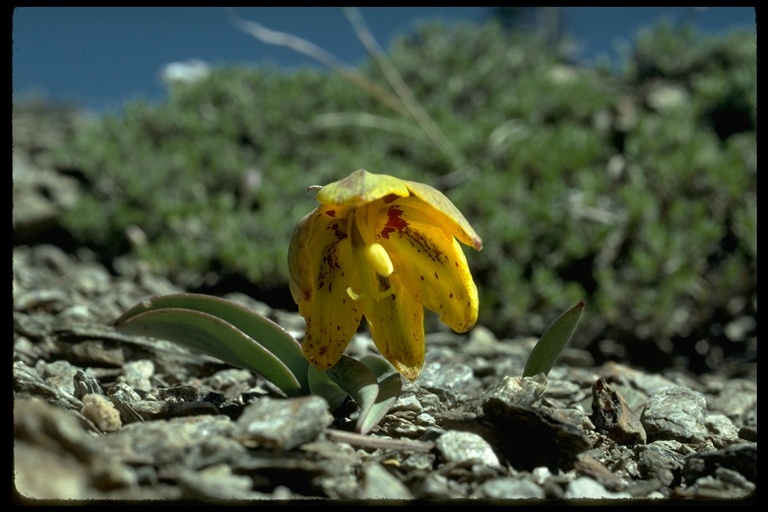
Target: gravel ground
{"x": 107, "y": 416}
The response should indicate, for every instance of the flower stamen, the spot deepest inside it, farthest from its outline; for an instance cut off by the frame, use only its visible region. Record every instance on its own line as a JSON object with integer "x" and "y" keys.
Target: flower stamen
{"x": 376, "y": 268}
{"x": 379, "y": 259}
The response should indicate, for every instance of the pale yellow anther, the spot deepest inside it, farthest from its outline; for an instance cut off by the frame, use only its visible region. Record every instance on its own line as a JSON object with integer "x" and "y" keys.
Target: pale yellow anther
{"x": 378, "y": 258}
{"x": 353, "y": 295}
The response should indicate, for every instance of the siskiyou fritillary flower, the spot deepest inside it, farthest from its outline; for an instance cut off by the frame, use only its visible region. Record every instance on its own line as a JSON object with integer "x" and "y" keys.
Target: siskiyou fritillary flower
{"x": 382, "y": 248}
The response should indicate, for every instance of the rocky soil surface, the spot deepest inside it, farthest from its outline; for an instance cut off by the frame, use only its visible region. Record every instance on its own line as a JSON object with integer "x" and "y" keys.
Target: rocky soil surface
{"x": 100, "y": 415}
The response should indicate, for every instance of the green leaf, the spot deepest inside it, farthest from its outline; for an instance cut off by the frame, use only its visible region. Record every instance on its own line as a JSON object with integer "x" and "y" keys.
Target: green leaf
{"x": 356, "y": 379}
{"x": 244, "y": 339}
{"x": 390, "y": 386}
{"x": 553, "y": 341}
{"x": 259, "y": 329}
{"x": 360, "y": 381}
{"x": 214, "y": 336}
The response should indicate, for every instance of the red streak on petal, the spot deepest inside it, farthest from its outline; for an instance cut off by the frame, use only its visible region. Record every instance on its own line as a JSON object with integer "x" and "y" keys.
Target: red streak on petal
{"x": 331, "y": 213}
{"x": 394, "y": 221}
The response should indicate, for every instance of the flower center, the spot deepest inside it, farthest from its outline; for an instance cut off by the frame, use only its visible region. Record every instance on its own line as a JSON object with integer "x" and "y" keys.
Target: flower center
{"x": 378, "y": 258}
{"x": 375, "y": 267}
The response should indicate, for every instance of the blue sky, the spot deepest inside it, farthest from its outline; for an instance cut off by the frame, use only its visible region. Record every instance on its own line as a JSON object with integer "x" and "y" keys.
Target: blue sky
{"x": 101, "y": 57}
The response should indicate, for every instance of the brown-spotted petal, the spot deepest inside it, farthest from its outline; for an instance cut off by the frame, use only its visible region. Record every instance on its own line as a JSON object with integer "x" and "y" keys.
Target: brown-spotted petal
{"x": 322, "y": 267}
{"x": 445, "y": 213}
{"x": 430, "y": 263}
{"x": 396, "y": 323}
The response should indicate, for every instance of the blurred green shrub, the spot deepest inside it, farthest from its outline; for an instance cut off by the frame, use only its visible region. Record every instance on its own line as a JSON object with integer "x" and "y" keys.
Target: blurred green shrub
{"x": 634, "y": 190}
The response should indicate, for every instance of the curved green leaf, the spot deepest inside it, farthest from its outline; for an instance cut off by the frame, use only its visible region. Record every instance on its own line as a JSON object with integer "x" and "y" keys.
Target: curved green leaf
{"x": 390, "y": 386}
{"x": 553, "y": 341}
{"x": 264, "y": 331}
{"x": 214, "y": 336}
{"x": 359, "y": 381}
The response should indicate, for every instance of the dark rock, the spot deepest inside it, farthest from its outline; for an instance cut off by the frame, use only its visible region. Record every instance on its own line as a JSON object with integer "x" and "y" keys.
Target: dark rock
{"x": 658, "y": 463}
{"x": 530, "y": 437}
{"x": 741, "y": 458}
{"x": 612, "y": 416}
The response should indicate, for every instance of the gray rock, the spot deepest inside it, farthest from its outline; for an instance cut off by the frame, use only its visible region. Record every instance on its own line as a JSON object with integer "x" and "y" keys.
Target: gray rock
{"x": 722, "y": 428}
{"x": 84, "y": 383}
{"x": 505, "y": 488}
{"x": 136, "y": 374}
{"x": 723, "y": 486}
{"x": 40, "y": 473}
{"x": 655, "y": 461}
{"x": 456, "y": 378}
{"x": 741, "y": 457}
{"x": 216, "y": 482}
{"x": 675, "y": 412}
{"x": 28, "y": 382}
{"x": 283, "y": 423}
{"x": 406, "y": 403}
{"x": 54, "y": 428}
{"x": 231, "y": 382}
{"x": 60, "y": 373}
{"x": 736, "y": 399}
{"x": 648, "y": 383}
{"x": 587, "y": 488}
{"x": 510, "y": 390}
{"x": 457, "y": 446}
{"x": 177, "y": 441}
{"x": 55, "y": 299}
{"x": 418, "y": 462}
{"x": 378, "y": 483}
{"x": 437, "y": 486}
{"x": 748, "y": 433}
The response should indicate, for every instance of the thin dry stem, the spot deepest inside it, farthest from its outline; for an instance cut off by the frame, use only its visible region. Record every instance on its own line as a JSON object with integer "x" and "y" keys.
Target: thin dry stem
{"x": 405, "y": 103}
{"x": 313, "y": 51}
{"x": 367, "y": 441}
{"x": 401, "y": 88}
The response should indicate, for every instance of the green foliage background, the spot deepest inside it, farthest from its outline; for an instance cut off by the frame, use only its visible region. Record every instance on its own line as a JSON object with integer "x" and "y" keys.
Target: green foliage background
{"x": 632, "y": 189}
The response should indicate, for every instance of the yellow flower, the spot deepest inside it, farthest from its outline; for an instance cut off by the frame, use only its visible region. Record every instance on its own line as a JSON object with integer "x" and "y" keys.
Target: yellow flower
{"x": 382, "y": 248}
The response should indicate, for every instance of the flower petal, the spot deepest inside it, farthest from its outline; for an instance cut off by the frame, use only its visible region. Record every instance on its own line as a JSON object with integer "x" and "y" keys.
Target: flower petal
{"x": 430, "y": 263}
{"x": 321, "y": 268}
{"x": 361, "y": 187}
{"x": 449, "y": 215}
{"x": 397, "y": 328}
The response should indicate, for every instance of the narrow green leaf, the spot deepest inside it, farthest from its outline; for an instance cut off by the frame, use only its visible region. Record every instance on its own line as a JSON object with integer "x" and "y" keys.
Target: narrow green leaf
{"x": 390, "y": 386}
{"x": 264, "y": 331}
{"x": 211, "y": 335}
{"x": 553, "y": 341}
{"x": 359, "y": 381}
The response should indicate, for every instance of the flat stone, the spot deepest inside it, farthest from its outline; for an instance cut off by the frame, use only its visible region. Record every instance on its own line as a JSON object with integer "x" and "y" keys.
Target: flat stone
{"x": 457, "y": 446}
{"x": 283, "y": 423}
{"x": 675, "y": 412}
